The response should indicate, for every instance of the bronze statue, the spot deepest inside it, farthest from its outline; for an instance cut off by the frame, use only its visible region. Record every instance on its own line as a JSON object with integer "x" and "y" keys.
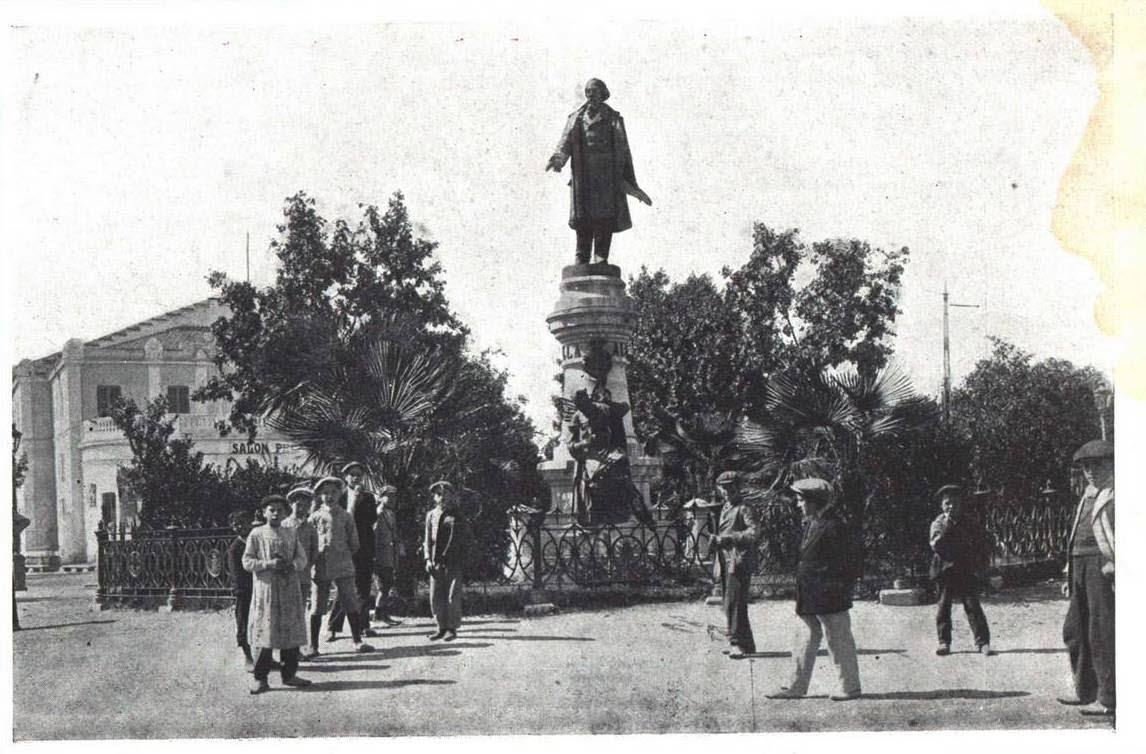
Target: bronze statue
{"x": 594, "y": 137}
{"x": 603, "y": 490}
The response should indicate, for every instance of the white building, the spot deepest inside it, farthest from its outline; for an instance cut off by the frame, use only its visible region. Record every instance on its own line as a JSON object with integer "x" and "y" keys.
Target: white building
{"x": 60, "y": 405}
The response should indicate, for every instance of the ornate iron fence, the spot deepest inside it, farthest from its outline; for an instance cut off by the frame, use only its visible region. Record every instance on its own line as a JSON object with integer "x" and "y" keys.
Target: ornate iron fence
{"x": 189, "y": 566}
{"x": 178, "y": 564}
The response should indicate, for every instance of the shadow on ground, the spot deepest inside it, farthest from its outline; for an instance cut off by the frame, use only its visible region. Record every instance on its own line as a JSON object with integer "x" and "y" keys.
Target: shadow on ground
{"x": 66, "y": 625}
{"x": 944, "y": 694}
{"x": 364, "y": 685}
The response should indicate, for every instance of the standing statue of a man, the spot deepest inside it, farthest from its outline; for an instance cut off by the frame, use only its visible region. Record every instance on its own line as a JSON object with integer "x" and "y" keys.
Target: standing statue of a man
{"x": 594, "y": 137}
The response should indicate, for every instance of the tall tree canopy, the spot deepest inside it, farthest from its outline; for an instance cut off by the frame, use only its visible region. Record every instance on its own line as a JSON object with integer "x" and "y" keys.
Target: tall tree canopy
{"x": 703, "y": 354}
{"x": 354, "y": 353}
{"x": 1024, "y": 419}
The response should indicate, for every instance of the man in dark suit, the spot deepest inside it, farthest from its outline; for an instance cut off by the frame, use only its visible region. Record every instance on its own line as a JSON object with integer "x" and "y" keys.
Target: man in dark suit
{"x": 735, "y": 544}
{"x": 362, "y": 506}
{"x": 446, "y": 547}
{"x": 827, "y": 569}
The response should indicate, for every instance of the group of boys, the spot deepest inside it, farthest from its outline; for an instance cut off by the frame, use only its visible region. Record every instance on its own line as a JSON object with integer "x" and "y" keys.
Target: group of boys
{"x": 829, "y": 564}
{"x": 347, "y": 541}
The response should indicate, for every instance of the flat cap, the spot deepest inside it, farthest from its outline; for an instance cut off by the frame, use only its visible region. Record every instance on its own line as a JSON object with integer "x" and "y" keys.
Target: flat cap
{"x": 699, "y": 502}
{"x": 301, "y": 491}
{"x": 728, "y": 477}
{"x": 353, "y": 465}
{"x": 387, "y": 489}
{"x": 1095, "y": 449}
{"x": 817, "y": 489}
{"x": 443, "y": 484}
{"x": 953, "y": 488}
{"x": 273, "y": 500}
{"x": 327, "y": 480}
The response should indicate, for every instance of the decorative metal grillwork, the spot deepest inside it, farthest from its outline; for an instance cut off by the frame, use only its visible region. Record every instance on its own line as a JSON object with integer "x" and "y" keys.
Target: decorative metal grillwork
{"x": 556, "y": 553}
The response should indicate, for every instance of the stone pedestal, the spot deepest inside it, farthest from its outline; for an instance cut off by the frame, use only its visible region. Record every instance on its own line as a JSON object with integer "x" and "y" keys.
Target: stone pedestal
{"x": 594, "y": 316}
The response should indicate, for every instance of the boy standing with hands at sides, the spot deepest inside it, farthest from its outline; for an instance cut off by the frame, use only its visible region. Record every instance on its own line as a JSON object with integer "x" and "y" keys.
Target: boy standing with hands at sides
{"x": 446, "y": 547}
{"x": 241, "y": 582}
{"x": 962, "y": 549}
{"x": 334, "y": 565}
{"x": 275, "y": 556}
{"x": 300, "y": 499}
{"x": 387, "y": 551}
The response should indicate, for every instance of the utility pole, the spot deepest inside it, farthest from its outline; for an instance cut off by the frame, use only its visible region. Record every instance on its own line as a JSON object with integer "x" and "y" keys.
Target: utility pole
{"x": 248, "y": 256}
{"x": 947, "y": 353}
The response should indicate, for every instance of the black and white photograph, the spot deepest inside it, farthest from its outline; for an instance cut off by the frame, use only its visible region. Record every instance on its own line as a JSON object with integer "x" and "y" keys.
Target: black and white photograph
{"x": 417, "y": 373}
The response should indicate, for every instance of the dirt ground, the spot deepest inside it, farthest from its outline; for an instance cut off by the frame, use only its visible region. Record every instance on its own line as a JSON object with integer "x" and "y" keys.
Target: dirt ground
{"x": 83, "y": 673}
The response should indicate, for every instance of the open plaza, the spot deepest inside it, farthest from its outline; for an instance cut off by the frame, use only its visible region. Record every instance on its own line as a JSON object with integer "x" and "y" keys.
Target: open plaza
{"x": 82, "y": 673}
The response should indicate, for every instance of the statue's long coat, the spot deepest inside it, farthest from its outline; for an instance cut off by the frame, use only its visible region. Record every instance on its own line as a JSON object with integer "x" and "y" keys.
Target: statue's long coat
{"x": 611, "y": 182}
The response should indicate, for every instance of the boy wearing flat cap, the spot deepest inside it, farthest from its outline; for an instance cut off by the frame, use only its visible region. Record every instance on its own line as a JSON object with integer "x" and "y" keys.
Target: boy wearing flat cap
{"x": 301, "y": 499}
{"x": 735, "y": 543}
{"x": 337, "y": 543}
{"x": 446, "y": 547}
{"x": 361, "y": 505}
{"x": 274, "y": 556}
{"x": 388, "y": 551}
{"x": 1088, "y": 630}
{"x": 962, "y": 550}
{"x": 825, "y": 574}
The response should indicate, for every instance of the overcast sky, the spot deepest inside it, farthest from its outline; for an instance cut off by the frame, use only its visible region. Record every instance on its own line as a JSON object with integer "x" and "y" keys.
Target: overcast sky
{"x": 136, "y": 160}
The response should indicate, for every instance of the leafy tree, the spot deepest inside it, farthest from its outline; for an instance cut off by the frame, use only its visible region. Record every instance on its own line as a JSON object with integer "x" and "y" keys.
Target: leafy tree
{"x": 355, "y": 353}
{"x": 702, "y": 357}
{"x": 1025, "y": 418}
{"x": 683, "y": 355}
{"x": 166, "y": 475}
{"x": 333, "y": 285}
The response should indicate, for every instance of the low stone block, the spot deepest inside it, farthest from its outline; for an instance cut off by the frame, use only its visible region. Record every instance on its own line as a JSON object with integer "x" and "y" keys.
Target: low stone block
{"x": 540, "y": 609}
{"x": 901, "y": 597}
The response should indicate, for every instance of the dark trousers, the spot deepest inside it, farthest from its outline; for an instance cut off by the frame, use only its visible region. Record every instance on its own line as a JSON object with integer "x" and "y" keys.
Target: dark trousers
{"x": 242, "y": 613}
{"x": 594, "y": 235}
{"x": 363, "y": 578}
{"x": 968, "y": 593}
{"x": 1089, "y": 631}
{"x": 289, "y": 663}
{"x": 736, "y": 609}
{"x": 385, "y": 583}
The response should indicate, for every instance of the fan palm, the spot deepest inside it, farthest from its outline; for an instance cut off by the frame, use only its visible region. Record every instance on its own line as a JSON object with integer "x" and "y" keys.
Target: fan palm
{"x": 817, "y": 423}
{"x": 383, "y": 405}
{"x": 696, "y": 448}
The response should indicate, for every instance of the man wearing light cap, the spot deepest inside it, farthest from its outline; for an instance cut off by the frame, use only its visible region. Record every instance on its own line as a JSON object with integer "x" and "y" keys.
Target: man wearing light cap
{"x": 337, "y": 543}
{"x": 735, "y": 562}
{"x": 1088, "y": 630}
{"x": 827, "y": 569}
{"x": 361, "y": 505}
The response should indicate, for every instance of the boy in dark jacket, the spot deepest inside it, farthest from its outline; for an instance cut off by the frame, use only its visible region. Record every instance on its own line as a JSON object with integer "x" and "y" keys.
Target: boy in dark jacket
{"x": 962, "y": 549}
{"x": 241, "y": 582}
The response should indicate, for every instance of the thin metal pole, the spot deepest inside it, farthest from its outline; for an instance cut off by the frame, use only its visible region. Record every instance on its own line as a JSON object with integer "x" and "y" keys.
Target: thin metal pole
{"x": 946, "y": 361}
{"x": 248, "y": 256}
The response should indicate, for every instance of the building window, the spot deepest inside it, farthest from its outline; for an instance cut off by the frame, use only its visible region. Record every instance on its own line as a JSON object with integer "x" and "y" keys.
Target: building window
{"x": 179, "y": 399}
{"x": 106, "y": 397}
{"x": 107, "y": 507}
